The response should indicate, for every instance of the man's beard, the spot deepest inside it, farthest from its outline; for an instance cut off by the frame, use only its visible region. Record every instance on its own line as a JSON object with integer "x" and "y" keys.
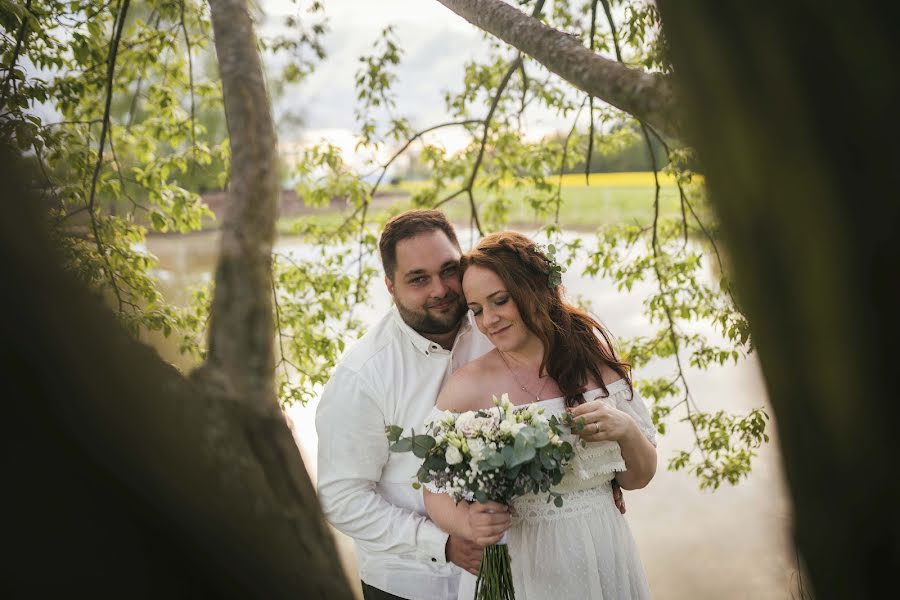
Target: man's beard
{"x": 425, "y": 322}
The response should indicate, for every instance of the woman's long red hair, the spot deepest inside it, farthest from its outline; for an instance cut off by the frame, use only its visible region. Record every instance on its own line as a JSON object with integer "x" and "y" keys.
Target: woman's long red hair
{"x": 575, "y": 344}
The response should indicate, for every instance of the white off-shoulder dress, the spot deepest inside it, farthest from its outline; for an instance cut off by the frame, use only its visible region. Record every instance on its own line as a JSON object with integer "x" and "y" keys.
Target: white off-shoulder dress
{"x": 585, "y": 548}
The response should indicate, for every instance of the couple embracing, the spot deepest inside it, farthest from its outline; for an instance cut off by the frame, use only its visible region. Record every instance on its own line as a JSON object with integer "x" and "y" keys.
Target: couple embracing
{"x": 464, "y": 328}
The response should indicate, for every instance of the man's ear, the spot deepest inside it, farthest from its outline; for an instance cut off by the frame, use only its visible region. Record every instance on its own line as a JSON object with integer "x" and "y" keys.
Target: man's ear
{"x": 389, "y": 284}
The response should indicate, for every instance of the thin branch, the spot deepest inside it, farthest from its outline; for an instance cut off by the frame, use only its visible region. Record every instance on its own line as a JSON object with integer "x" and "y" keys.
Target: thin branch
{"x": 670, "y": 320}
{"x": 362, "y": 238}
{"x": 20, "y": 38}
{"x": 474, "y": 211}
{"x": 470, "y": 185}
{"x": 449, "y": 198}
{"x": 187, "y": 42}
{"x": 487, "y": 120}
{"x": 562, "y": 163}
{"x": 278, "y": 328}
{"x": 590, "y": 148}
{"x": 524, "y": 104}
{"x": 685, "y": 202}
{"x": 137, "y": 91}
{"x": 113, "y": 50}
{"x": 412, "y": 139}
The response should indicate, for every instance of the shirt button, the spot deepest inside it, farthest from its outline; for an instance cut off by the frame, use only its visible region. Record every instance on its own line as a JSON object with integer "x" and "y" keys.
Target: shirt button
{"x": 433, "y": 559}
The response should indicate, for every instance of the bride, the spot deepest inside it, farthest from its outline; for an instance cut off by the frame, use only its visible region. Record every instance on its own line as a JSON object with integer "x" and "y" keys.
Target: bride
{"x": 555, "y": 356}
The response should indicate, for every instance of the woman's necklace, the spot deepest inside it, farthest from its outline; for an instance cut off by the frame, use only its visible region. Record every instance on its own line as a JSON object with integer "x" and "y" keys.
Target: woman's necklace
{"x": 537, "y": 397}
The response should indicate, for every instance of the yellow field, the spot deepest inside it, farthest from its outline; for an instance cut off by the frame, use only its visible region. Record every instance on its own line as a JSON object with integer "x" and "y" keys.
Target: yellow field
{"x": 638, "y": 179}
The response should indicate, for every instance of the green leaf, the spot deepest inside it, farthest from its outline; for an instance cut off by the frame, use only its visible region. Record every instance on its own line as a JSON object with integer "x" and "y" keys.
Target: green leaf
{"x": 422, "y": 444}
{"x": 393, "y": 432}
{"x": 402, "y": 445}
{"x": 521, "y": 455}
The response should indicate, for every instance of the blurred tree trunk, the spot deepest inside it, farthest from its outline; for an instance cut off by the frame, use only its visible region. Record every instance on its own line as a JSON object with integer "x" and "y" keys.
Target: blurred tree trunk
{"x": 124, "y": 477}
{"x": 793, "y": 111}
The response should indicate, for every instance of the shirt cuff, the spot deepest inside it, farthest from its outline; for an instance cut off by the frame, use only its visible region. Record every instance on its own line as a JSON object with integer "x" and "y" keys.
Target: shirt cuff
{"x": 433, "y": 543}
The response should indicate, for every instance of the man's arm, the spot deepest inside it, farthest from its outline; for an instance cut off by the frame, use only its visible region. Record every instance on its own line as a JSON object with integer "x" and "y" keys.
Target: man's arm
{"x": 353, "y": 450}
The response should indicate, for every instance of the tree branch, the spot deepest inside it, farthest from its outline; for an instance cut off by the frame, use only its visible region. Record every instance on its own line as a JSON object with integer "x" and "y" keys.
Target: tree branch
{"x": 104, "y": 130}
{"x": 410, "y": 141}
{"x": 187, "y": 43}
{"x": 647, "y": 96}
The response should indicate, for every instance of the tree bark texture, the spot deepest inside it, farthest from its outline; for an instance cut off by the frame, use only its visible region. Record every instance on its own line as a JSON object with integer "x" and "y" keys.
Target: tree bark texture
{"x": 647, "y": 96}
{"x": 121, "y": 477}
{"x": 793, "y": 111}
{"x": 241, "y": 333}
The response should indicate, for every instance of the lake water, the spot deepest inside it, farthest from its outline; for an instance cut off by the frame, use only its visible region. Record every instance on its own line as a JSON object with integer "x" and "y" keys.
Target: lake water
{"x": 733, "y": 543}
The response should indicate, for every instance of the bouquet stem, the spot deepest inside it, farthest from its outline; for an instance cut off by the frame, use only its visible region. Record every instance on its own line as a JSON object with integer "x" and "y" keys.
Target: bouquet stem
{"x": 495, "y": 575}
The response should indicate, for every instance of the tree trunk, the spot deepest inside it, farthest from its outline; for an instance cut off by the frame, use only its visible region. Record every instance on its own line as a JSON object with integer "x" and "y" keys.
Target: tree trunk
{"x": 241, "y": 332}
{"x": 793, "y": 113}
{"x": 647, "y": 96}
{"x": 123, "y": 477}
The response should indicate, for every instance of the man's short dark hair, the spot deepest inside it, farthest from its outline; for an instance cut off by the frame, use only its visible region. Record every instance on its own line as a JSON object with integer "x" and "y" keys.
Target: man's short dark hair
{"x": 410, "y": 224}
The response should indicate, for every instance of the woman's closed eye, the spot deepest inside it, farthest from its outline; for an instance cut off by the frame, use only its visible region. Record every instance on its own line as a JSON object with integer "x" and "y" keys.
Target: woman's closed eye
{"x": 476, "y": 310}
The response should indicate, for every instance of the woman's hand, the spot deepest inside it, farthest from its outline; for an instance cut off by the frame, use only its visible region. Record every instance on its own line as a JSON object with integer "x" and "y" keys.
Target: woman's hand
{"x": 488, "y": 522}
{"x": 602, "y": 422}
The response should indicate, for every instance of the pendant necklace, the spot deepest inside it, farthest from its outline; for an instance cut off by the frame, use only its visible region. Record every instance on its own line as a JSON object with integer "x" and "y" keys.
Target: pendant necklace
{"x": 537, "y": 397}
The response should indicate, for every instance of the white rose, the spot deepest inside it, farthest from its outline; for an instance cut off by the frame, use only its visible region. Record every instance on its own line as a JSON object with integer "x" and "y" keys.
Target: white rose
{"x": 539, "y": 418}
{"x": 476, "y": 448}
{"x": 483, "y": 425}
{"x": 466, "y": 424}
{"x": 517, "y": 427}
{"x": 453, "y": 456}
{"x": 506, "y": 426}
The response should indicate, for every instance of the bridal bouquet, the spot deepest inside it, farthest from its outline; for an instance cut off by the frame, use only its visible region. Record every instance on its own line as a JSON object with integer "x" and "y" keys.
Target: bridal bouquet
{"x": 495, "y": 454}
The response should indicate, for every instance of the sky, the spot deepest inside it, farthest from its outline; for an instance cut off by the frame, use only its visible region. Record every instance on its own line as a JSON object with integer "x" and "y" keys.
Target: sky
{"x": 436, "y": 44}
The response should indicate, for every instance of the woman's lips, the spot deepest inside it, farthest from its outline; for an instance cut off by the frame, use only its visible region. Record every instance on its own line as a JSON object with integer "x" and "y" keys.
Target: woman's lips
{"x": 501, "y": 330}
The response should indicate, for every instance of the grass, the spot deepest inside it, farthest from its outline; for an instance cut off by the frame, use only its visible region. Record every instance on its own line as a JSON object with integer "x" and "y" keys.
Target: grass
{"x": 610, "y": 198}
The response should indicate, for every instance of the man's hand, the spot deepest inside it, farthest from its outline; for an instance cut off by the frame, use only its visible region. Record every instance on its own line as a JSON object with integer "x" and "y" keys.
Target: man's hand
{"x": 463, "y": 553}
{"x": 618, "y": 498}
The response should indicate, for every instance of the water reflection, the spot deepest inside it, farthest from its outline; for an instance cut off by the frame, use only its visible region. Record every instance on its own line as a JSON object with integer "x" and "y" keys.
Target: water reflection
{"x": 732, "y": 543}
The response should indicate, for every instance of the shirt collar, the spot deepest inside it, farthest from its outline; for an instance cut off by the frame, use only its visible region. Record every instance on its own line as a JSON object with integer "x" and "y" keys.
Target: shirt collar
{"x": 420, "y": 342}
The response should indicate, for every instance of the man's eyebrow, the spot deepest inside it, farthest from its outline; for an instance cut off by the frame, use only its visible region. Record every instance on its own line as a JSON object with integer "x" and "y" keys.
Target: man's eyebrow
{"x": 414, "y": 272}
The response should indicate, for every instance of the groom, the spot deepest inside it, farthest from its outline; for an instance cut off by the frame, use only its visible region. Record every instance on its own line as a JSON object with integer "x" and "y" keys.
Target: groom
{"x": 393, "y": 375}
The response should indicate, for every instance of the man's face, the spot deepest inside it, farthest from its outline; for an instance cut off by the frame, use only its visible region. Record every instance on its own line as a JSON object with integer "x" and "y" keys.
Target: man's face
{"x": 426, "y": 286}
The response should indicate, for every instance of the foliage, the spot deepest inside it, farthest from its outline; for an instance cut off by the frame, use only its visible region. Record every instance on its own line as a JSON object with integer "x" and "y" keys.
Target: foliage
{"x": 140, "y": 130}
{"x": 137, "y": 132}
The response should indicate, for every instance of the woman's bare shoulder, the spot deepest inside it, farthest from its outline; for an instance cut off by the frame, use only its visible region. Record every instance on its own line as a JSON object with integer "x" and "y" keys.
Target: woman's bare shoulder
{"x": 467, "y": 388}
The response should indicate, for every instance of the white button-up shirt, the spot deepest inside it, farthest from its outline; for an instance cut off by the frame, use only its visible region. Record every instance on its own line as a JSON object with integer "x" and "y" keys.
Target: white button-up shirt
{"x": 392, "y": 376}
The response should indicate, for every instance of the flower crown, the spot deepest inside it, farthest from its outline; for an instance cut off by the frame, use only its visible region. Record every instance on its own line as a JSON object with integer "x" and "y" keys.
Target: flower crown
{"x": 554, "y": 269}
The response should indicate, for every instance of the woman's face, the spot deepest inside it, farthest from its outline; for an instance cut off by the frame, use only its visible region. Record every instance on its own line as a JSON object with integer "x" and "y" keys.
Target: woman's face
{"x": 496, "y": 314}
